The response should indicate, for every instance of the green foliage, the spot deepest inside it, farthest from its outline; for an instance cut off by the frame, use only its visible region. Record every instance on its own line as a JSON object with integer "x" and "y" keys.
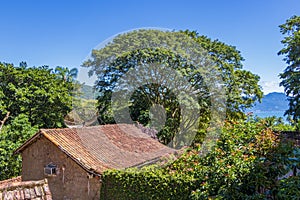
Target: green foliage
{"x": 244, "y": 164}
{"x": 131, "y": 50}
{"x": 289, "y": 188}
{"x": 277, "y": 124}
{"x": 148, "y": 183}
{"x": 242, "y": 89}
{"x": 66, "y": 74}
{"x": 291, "y": 75}
{"x": 87, "y": 92}
{"x": 35, "y": 98}
{"x": 36, "y": 92}
{"x": 11, "y": 137}
{"x": 84, "y": 110}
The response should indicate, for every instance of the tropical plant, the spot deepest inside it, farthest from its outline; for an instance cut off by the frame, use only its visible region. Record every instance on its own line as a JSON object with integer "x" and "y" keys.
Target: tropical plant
{"x": 291, "y": 75}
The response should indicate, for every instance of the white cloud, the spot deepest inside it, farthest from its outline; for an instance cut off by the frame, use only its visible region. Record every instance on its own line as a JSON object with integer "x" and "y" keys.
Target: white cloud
{"x": 271, "y": 86}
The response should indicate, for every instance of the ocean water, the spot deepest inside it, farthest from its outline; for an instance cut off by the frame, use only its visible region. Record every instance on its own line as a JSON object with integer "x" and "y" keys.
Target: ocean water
{"x": 264, "y": 114}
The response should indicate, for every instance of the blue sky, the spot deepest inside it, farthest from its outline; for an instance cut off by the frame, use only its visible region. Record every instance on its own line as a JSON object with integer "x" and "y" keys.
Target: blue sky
{"x": 63, "y": 33}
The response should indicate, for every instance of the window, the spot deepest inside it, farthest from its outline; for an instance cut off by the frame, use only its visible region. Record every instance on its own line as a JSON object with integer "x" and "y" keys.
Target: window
{"x": 50, "y": 169}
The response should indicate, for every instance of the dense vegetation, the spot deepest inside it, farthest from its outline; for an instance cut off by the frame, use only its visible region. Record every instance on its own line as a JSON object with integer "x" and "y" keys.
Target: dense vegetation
{"x": 13, "y": 136}
{"x": 152, "y": 48}
{"x": 30, "y": 98}
{"x": 247, "y": 160}
{"x": 245, "y": 164}
{"x": 39, "y": 93}
{"x": 291, "y": 75}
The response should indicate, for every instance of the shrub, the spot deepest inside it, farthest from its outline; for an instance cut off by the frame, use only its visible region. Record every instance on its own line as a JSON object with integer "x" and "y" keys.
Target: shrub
{"x": 245, "y": 163}
{"x": 289, "y": 188}
{"x": 147, "y": 183}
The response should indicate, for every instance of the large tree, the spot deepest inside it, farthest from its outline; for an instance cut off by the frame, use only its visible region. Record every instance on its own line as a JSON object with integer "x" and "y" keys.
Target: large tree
{"x": 141, "y": 49}
{"x": 291, "y": 75}
{"x": 36, "y": 92}
{"x": 30, "y": 98}
{"x": 242, "y": 88}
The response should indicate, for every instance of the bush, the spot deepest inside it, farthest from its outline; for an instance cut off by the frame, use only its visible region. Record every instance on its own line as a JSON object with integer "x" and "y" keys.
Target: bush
{"x": 147, "y": 183}
{"x": 245, "y": 163}
{"x": 11, "y": 137}
{"x": 289, "y": 188}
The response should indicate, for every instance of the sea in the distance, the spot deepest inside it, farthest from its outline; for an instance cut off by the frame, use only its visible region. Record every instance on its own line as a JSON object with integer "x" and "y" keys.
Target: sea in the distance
{"x": 264, "y": 114}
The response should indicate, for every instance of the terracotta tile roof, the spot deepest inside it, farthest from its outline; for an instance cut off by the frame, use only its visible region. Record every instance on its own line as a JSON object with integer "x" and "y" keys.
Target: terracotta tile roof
{"x": 98, "y": 148}
{"x": 15, "y": 189}
{"x": 9, "y": 181}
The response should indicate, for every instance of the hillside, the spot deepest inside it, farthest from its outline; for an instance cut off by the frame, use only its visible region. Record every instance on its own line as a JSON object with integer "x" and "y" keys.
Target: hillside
{"x": 87, "y": 92}
{"x": 274, "y": 101}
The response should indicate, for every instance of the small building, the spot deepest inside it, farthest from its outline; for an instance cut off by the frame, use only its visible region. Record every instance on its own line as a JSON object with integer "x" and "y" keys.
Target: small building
{"x": 73, "y": 159}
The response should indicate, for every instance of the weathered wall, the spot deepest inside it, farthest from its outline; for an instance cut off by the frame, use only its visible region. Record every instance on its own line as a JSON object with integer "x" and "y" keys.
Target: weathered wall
{"x": 71, "y": 183}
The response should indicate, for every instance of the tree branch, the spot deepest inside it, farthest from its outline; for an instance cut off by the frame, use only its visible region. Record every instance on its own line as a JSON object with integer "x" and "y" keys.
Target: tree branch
{"x": 4, "y": 120}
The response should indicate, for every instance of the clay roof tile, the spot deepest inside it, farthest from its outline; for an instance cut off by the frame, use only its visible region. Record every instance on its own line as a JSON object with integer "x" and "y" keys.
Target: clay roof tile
{"x": 97, "y": 148}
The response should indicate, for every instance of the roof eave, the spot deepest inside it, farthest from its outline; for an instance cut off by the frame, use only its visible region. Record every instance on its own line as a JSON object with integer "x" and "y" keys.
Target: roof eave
{"x": 91, "y": 171}
{"x": 28, "y": 142}
{"x": 41, "y": 133}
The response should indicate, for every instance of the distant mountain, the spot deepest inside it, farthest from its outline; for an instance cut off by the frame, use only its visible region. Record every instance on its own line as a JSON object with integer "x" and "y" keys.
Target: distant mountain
{"x": 274, "y": 101}
{"x": 271, "y": 102}
{"x": 88, "y": 92}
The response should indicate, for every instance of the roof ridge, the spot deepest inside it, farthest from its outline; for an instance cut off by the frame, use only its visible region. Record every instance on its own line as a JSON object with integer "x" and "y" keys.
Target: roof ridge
{"x": 98, "y": 148}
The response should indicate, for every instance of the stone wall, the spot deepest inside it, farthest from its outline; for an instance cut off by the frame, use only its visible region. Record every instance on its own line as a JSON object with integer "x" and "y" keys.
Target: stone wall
{"x": 70, "y": 181}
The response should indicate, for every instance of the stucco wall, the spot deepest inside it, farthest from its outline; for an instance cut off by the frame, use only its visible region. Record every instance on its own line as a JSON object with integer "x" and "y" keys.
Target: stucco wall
{"x": 70, "y": 183}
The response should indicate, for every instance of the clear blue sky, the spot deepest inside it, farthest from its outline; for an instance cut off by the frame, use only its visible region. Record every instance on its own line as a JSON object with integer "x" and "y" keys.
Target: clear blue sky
{"x": 62, "y": 32}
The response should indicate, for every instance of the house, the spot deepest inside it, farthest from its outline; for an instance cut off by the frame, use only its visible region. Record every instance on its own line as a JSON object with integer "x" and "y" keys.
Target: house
{"x": 16, "y": 189}
{"x": 73, "y": 159}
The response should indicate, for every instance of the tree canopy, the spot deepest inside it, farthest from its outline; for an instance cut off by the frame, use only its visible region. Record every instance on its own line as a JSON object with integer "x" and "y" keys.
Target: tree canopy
{"x": 242, "y": 88}
{"x": 37, "y": 92}
{"x": 291, "y": 75}
{"x": 13, "y": 136}
{"x": 203, "y": 63}
{"x": 30, "y": 98}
